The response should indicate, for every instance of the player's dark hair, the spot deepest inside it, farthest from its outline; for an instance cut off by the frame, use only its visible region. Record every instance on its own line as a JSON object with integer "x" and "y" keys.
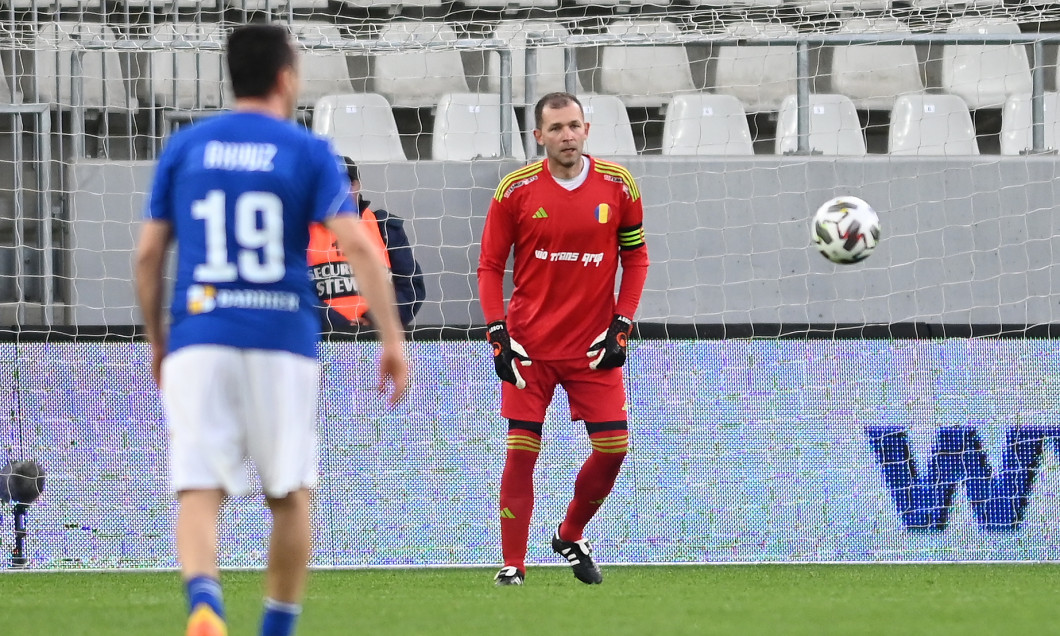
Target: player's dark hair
{"x": 554, "y": 100}
{"x": 351, "y": 169}
{"x": 256, "y": 54}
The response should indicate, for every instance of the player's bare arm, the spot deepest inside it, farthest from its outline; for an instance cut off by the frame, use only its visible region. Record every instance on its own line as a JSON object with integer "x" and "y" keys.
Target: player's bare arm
{"x": 376, "y": 288}
{"x": 155, "y": 237}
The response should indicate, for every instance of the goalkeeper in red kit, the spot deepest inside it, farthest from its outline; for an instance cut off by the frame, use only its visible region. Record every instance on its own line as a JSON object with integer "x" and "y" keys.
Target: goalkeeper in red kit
{"x": 572, "y": 219}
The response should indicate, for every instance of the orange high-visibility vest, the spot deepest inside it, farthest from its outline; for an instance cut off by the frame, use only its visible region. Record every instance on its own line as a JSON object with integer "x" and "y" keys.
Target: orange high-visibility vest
{"x": 330, "y": 271}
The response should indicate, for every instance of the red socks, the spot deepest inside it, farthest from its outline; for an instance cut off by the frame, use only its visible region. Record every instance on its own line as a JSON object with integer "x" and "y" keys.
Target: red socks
{"x": 595, "y": 480}
{"x": 517, "y": 494}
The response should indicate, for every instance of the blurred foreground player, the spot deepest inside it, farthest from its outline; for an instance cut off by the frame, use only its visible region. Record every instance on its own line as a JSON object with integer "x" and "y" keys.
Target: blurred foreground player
{"x": 572, "y": 219}
{"x": 238, "y": 368}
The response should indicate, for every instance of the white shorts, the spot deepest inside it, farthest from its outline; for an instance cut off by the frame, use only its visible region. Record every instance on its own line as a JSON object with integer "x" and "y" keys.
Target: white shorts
{"x": 227, "y": 405}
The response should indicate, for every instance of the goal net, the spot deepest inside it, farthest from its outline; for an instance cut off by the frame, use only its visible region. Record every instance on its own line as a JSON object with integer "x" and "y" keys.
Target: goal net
{"x": 782, "y": 407}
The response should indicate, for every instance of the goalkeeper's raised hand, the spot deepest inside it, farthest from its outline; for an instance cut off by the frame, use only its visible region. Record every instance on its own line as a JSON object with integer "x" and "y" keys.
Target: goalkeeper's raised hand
{"x": 608, "y": 351}
{"x": 508, "y": 355}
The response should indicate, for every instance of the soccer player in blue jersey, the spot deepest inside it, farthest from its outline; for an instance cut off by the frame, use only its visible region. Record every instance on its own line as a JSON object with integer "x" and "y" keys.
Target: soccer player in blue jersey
{"x": 237, "y": 366}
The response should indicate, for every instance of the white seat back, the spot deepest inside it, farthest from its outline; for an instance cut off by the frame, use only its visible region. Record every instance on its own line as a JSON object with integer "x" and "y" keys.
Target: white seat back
{"x": 985, "y": 75}
{"x": 184, "y": 78}
{"x": 931, "y": 125}
{"x": 839, "y": 6}
{"x": 468, "y": 126}
{"x": 644, "y": 75}
{"x": 418, "y": 78}
{"x": 610, "y": 133}
{"x": 759, "y": 76}
{"x": 1017, "y": 121}
{"x": 49, "y": 62}
{"x": 958, "y": 5}
{"x": 361, "y": 126}
{"x": 550, "y": 74}
{"x": 705, "y": 124}
{"x": 872, "y": 75}
{"x": 368, "y": 4}
{"x": 834, "y": 126}
{"x": 512, "y": 4}
{"x": 275, "y": 5}
{"x": 323, "y": 72}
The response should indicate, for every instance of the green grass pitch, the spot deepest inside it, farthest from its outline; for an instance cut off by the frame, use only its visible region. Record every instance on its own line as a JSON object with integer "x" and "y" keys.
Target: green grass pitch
{"x": 642, "y": 600}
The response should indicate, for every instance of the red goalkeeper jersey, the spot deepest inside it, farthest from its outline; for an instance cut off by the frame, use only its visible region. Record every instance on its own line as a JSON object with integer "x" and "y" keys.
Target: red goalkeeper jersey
{"x": 568, "y": 245}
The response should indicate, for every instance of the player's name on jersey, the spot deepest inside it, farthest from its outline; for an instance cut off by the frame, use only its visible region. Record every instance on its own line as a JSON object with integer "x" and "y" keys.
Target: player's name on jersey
{"x": 205, "y": 298}
{"x": 333, "y": 279}
{"x": 242, "y": 157}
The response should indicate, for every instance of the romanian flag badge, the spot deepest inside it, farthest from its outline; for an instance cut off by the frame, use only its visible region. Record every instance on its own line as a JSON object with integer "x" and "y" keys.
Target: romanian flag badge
{"x": 603, "y": 212}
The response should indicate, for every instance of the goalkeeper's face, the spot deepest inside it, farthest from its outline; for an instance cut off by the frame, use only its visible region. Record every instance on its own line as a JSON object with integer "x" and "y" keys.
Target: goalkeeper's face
{"x": 563, "y": 133}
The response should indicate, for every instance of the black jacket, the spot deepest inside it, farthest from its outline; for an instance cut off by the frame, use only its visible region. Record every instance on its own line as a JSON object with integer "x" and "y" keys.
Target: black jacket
{"x": 406, "y": 273}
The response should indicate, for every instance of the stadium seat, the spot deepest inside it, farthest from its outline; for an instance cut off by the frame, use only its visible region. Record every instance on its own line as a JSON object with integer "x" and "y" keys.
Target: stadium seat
{"x": 361, "y": 126}
{"x": 89, "y": 6}
{"x": 985, "y": 75}
{"x": 957, "y": 5}
{"x": 644, "y": 75}
{"x": 274, "y": 5}
{"x": 184, "y": 78}
{"x": 610, "y": 133}
{"x": 48, "y": 61}
{"x": 834, "y": 126}
{"x": 931, "y": 124}
{"x": 467, "y": 126}
{"x": 839, "y": 6}
{"x": 550, "y": 69}
{"x": 1017, "y": 120}
{"x": 323, "y": 72}
{"x": 872, "y": 75}
{"x": 164, "y": 5}
{"x": 758, "y": 76}
{"x": 393, "y": 6}
{"x": 418, "y": 78}
{"x": 706, "y": 124}
{"x": 622, "y": 4}
{"x": 511, "y": 4}
{"x": 742, "y": 4}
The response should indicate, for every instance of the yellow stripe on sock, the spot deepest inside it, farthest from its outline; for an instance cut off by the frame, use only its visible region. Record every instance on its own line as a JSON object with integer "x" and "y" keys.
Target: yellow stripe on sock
{"x": 526, "y": 437}
{"x": 617, "y": 444}
{"x": 524, "y": 442}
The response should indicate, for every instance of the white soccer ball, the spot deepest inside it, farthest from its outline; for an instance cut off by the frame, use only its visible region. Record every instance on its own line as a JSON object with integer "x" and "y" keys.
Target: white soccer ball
{"x": 845, "y": 230}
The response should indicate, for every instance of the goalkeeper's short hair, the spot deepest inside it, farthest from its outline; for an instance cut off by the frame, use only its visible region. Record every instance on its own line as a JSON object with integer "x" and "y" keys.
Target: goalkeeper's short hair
{"x": 554, "y": 100}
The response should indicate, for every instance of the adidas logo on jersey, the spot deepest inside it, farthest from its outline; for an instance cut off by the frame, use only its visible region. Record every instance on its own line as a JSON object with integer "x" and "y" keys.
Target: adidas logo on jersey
{"x": 540, "y": 214}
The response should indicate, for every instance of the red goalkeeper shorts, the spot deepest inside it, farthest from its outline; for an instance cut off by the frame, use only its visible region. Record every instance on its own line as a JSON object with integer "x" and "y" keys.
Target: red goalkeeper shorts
{"x": 594, "y": 396}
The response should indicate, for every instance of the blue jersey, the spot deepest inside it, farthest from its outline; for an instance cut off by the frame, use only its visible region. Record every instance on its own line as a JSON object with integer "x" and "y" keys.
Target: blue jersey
{"x": 240, "y": 191}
